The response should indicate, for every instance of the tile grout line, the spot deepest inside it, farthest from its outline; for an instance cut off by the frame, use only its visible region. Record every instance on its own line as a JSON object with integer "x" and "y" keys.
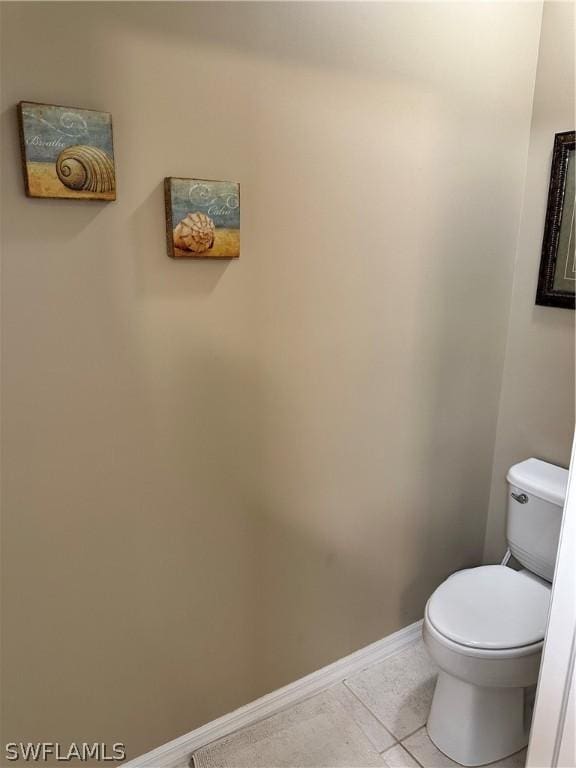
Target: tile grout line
{"x": 365, "y": 707}
{"x": 374, "y": 715}
{"x": 409, "y": 735}
{"x": 406, "y": 749}
{"x": 397, "y": 740}
{"x": 399, "y": 744}
{"x": 412, "y": 755}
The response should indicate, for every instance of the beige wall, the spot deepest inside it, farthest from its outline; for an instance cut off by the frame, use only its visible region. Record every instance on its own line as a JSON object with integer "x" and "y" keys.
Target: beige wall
{"x": 219, "y": 477}
{"x": 536, "y": 416}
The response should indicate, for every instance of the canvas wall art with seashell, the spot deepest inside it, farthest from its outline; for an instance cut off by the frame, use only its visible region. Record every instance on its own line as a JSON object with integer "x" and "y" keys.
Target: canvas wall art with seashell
{"x": 67, "y": 152}
{"x": 202, "y": 218}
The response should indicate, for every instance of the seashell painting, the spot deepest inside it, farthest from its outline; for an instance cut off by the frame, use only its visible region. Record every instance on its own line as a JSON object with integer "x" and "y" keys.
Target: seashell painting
{"x": 86, "y": 168}
{"x": 202, "y": 218}
{"x": 67, "y": 152}
{"x": 194, "y": 233}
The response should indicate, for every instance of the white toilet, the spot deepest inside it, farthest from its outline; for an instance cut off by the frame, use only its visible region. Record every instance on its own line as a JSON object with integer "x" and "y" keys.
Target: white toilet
{"x": 484, "y": 627}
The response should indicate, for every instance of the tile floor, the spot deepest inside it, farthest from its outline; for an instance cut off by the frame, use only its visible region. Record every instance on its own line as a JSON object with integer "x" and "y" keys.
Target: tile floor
{"x": 374, "y": 718}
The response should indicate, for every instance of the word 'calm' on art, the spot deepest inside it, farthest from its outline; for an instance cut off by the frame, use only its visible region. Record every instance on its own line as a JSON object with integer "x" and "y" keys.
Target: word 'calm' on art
{"x": 202, "y": 218}
{"x": 67, "y": 152}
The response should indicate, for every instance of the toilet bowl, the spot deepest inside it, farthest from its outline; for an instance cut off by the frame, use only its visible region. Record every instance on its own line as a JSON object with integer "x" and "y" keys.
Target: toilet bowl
{"x": 484, "y": 627}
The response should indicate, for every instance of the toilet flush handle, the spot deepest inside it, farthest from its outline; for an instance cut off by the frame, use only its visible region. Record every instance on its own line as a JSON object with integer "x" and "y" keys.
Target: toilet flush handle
{"x": 521, "y": 498}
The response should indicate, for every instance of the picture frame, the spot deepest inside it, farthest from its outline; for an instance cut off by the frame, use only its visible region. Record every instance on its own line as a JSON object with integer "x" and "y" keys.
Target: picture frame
{"x": 67, "y": 152}
{"x": 202, "y": 218}
{"x": 557, "y": 276}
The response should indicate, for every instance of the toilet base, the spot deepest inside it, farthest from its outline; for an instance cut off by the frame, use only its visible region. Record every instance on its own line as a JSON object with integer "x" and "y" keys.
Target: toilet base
{"x": 475, "y": 725}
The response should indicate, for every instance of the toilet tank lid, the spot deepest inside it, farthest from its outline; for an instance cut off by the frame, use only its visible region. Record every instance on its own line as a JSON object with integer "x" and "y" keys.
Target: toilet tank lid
{"x": 547, "y": 481}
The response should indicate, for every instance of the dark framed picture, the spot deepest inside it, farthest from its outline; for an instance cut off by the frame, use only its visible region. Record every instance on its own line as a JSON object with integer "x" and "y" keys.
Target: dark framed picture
{"x": 202, "y": 218}
{"x": 557, "y": 278}
{"x": 67, "y": 152}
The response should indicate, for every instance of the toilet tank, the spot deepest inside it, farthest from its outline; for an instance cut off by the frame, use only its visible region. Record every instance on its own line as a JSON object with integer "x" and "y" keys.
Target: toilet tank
{"x": 536, "y": 495}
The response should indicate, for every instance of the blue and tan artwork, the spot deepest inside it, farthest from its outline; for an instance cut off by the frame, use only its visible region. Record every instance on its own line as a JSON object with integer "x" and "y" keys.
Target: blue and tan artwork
{"x": 202, "y": 218}
{"x": 67, "y": 152}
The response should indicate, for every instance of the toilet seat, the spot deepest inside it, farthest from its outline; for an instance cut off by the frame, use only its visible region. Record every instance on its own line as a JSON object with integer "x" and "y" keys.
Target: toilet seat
{"x": 491, "y": 608}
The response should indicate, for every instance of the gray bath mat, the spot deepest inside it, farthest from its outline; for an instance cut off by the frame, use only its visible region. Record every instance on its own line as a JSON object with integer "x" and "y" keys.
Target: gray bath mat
{"x": 317, "y": 733}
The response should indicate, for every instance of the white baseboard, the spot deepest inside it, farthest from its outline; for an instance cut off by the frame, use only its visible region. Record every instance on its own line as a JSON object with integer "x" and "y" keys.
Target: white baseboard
{"x": 174, "y": 752}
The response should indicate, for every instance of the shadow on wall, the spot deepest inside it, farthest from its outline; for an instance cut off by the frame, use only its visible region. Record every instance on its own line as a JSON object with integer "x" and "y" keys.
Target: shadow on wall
{"x": 260, "y": 32}
{"x": 349, "y": 515}
{"x": 49, "y": 217}
{"x": 155, "y": 273}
